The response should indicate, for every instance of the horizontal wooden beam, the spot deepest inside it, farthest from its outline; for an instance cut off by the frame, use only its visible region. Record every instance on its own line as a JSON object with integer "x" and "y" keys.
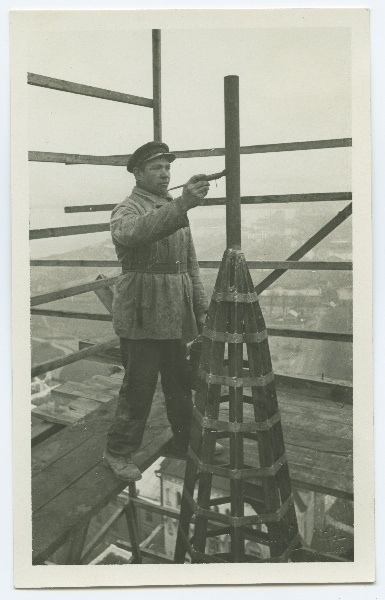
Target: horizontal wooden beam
{"x": 264, "y": 148}
{"x": 106, "y": 357}
{"x": 275, "y": 199}
{"x": 112, "y": 356}
{"x": 307, "y": 246}
{"x": 78, "y": 159}
{"x": 120, "y": 160}
{"x": 38, "y": 234}
{"x": 310, "y": 335}
{"x": 267, "y": 265}
{"x": 42, "y": 430}
{"x": 86, "y": 90}
{"x": 160, "y": 509}
{"x": 87, "y": 208}
{"x": 71, "y": 291}
{"x": 57, "y": 363}
{"x": 69, "y": 314}
{"x": 155, "y": 508}
{"x": 211, "y": 264}
{"x": 286, "y": 198}
{"x": 285, "y": 378}
{"x": 58, "y": 262}
{"x": 272, "y": 331}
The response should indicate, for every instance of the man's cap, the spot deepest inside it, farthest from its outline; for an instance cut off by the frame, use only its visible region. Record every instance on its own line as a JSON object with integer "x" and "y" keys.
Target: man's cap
{"x": 148, "y": 152}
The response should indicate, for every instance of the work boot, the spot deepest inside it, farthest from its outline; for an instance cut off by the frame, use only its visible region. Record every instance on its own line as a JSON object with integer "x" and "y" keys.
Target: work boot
{"x": 122, "y": 467}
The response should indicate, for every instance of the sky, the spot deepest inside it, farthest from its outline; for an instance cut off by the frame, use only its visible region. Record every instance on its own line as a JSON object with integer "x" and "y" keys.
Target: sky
{"x": 295, "y": 85}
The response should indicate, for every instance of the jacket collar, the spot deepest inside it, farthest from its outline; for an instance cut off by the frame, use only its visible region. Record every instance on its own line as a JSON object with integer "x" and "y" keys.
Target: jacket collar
{"x": 144, "y": 194}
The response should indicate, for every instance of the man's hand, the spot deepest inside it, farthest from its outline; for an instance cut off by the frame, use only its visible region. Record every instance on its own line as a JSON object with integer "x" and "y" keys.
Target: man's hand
{"x": 195, "y": 190}
{"x": 200, "y": 320}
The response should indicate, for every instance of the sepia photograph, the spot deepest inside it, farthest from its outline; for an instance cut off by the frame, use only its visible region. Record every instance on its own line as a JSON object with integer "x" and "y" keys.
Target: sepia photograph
{"x": 194, "y": 346}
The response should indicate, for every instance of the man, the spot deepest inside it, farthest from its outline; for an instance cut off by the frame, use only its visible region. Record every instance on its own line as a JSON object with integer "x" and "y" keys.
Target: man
{"x": 159, "y": 303}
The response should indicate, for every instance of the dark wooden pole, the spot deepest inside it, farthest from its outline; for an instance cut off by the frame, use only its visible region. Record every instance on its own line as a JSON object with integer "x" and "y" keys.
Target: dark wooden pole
{"x": 232, "y": 162}
{"x": 308, "y": 245}
{"x": 156, "y": 84}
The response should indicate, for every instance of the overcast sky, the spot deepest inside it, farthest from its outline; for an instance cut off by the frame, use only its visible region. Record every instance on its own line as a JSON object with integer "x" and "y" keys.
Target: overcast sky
{"x": 295, "y": 84}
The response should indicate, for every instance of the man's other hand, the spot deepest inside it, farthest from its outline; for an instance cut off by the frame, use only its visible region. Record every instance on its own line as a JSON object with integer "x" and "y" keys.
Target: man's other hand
{"x": 195, "y": 190}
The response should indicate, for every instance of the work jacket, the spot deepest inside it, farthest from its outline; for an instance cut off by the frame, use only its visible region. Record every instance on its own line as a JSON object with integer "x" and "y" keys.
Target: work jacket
{"x": 159, "y": 293}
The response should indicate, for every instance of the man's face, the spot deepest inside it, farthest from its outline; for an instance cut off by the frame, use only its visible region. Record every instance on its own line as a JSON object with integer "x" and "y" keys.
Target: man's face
{"x": 154, "y": 176}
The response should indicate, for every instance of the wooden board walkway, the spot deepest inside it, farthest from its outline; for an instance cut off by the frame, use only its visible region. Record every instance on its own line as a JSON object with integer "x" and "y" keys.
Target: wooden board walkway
{"x": 72, "y": 401}
{"x": 70, "y": 483}
{"x": 318, "y": 435}
{"x": 41, "y": 430}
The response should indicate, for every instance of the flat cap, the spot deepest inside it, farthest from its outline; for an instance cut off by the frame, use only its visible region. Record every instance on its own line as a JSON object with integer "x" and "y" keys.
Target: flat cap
{"x": 147, "y": 152}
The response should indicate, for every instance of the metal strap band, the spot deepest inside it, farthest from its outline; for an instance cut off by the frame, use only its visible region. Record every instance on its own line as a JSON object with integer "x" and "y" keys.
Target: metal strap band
{"x": 296, "y": 541}
{"x": 203, "y": 512}
{"x": 194, "y": 553}
{"x": 273, "y": 517}
{"x": 234, "y": 338}
{"x": 247, "y": 297}
{"x": 247, "y": 473}
{"x": 254, "y": 426}
{"x": 236, "y": 382}
{"x": 277, "y": 516}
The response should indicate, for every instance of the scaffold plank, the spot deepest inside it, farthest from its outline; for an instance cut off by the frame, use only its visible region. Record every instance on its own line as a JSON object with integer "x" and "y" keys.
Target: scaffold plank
{"x": 86, "y": 90}
{"x": 57, "y": 363}
{"x": 265, "y": 199}
{"x": 74, "y": 290}
{"x": 71, "y": 484}
{"x": 305, "y": 265}
{"x": 50, "y": 232}
{"x": 122, "y": 159}
{"x": 308, "y": 245}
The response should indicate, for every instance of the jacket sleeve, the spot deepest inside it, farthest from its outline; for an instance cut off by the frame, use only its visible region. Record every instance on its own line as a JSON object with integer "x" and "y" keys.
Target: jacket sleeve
{"x": 200, "y": 302}
{"x": 132, "y": 229}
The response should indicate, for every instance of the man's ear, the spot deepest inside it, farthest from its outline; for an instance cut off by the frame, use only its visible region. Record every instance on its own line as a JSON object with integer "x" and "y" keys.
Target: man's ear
{"x": 136, "y": 173}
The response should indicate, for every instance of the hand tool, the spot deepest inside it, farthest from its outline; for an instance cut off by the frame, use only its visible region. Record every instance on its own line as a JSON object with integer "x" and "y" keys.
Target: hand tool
{"x": 205, "y": 178}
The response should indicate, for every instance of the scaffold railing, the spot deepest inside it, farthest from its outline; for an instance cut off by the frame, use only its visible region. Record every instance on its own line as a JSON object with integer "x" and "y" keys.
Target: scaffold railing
{"x": 278, "y": 268}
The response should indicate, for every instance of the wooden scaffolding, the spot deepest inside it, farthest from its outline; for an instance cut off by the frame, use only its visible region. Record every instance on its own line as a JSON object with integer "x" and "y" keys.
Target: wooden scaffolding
{"x": 102, "y": 286}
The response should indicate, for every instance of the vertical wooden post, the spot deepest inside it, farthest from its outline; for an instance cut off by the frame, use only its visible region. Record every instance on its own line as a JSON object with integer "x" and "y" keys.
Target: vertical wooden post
{"x": 130, "y": 512}
{"x": 232, "y": 162}
{"x": 233, "y": 314}
{"x": 156, "y": 84}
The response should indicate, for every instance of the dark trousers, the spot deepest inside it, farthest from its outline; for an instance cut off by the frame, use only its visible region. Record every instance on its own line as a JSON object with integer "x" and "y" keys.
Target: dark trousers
{"x": 143, "y": 361}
